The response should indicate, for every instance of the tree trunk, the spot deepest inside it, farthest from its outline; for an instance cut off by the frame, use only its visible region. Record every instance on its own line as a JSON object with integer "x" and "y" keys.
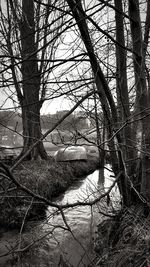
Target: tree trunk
{"x": 32, "y": 132}
{"x": 142, "y": 96}
{"x": 100, "y": 81}
{"x": 104, "y": 92}
{"x": 30, "y": 103}
{"x": 122, "y": 85}
{"x": 99, "y": 140}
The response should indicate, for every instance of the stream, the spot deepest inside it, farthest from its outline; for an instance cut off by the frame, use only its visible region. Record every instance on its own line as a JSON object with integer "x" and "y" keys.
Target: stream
{"x": 50, "y": 243}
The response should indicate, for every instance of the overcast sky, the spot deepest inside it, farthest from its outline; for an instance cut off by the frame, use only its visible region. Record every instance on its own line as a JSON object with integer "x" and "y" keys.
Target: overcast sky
{"x": 50, "y": 106}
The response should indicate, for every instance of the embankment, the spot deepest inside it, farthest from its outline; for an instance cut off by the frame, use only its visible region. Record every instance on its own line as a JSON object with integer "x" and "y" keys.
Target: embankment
{"x": 44, "y": 178}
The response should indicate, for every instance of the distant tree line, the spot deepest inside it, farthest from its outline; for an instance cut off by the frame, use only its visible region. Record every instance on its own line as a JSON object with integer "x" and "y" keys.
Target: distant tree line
{"x": 73, "y": 122}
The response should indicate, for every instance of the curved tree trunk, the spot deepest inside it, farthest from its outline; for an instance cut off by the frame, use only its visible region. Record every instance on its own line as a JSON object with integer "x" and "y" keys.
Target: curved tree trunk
{"x": 107, "y": 102}
{"x": 101, "y": 84}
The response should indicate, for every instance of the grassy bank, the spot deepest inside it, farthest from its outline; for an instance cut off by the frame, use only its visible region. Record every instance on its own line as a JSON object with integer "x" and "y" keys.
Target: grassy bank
{"x": 45, "y": 178}
{"x": 124, "y": 240}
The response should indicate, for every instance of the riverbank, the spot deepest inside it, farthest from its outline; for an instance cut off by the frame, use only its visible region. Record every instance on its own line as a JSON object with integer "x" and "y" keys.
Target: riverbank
{"x": 45, "y": 178}
{"x": 124, "y": 240}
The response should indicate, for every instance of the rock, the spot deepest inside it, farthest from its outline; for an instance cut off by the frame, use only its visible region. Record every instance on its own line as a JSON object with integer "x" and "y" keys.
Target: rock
{"x": 71, "y": 153}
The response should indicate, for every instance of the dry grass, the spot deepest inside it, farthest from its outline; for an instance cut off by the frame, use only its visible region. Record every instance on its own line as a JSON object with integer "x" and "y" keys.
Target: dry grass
{"x": 46, "y": 178}
{"x": 126, "y": 240}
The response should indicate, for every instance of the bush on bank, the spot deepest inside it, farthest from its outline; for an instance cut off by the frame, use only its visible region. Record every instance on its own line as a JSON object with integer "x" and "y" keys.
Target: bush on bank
{"x": 45, "y": 178}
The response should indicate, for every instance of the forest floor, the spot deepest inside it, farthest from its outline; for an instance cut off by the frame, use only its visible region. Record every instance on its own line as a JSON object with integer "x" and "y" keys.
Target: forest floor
{"x": 45, "y": 178}
{"x": 124, "y": 240}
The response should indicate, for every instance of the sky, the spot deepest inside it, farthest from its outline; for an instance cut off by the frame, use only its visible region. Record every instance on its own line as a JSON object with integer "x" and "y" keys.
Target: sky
{"x": 51, "y": 106}
{"x": 56, "y": 105}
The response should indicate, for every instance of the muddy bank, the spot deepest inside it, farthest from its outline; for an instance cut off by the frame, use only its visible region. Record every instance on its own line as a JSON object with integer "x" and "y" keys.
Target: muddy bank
{"x": 45, "y": 178}
{"x": 124, "y": 240}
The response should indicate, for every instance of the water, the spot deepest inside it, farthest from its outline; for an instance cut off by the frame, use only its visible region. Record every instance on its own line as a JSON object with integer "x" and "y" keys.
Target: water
{"x": 69, "y": 241}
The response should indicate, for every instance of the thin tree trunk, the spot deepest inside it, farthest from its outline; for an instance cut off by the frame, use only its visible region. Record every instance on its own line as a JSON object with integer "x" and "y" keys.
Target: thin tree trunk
{"x": 122, "y": 85}
{"x": 101, "y": 151}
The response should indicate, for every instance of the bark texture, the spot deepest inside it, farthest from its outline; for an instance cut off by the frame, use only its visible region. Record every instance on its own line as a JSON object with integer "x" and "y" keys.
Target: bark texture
{"x": 30, "y": 102}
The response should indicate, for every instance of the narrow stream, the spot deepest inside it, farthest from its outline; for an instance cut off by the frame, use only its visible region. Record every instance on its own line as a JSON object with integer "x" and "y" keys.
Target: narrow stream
{"x": 54, "y": 245}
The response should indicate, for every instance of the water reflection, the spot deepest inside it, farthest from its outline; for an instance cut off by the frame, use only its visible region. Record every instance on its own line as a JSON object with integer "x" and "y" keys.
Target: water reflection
{"x": 83, "y": 220}
{"x": 72, "y": 246}
{"x": 76, "y": 245}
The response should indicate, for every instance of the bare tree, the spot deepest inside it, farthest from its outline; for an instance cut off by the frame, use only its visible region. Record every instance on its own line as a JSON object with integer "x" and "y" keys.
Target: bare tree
{"x": 119, "y": 127}
{"x": 26, "y": 33}
{"x": 104, "y": 93}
